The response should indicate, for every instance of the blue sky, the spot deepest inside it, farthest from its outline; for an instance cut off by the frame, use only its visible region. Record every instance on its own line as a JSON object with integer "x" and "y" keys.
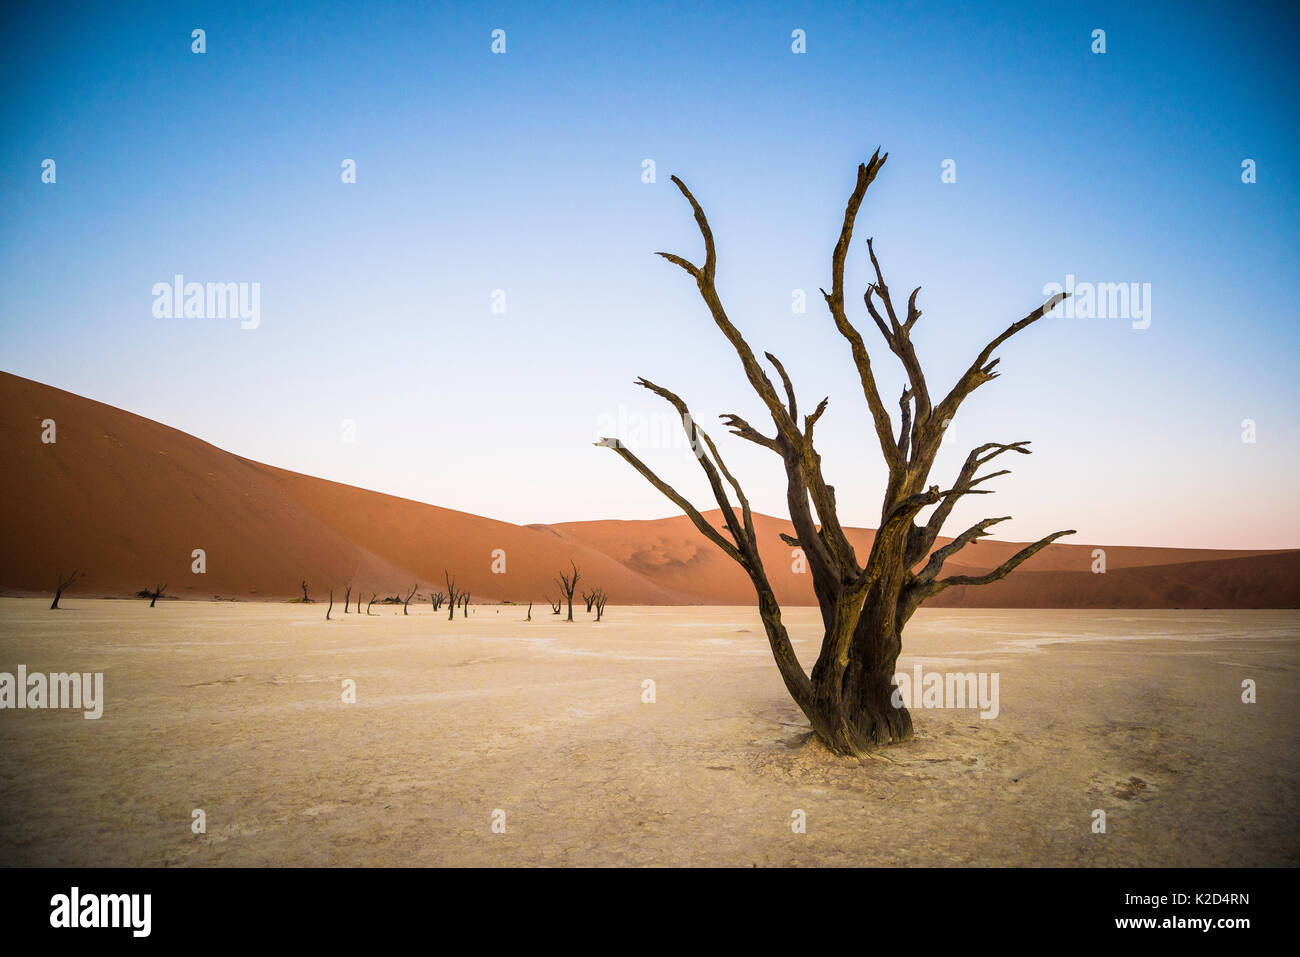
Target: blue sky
{"x": 523, "y": 172}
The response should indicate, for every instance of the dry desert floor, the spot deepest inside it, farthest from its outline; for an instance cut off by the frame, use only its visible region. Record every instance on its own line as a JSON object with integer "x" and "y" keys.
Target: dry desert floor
{"x": 236, "y": 709}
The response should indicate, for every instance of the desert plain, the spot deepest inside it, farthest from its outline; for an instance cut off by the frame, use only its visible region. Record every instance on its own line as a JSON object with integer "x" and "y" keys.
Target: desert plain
{"x": 543, "y": 727}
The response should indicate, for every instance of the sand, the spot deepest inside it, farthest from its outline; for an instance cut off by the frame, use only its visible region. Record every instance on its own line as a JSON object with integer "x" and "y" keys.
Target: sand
{"x": 235, "y": 709}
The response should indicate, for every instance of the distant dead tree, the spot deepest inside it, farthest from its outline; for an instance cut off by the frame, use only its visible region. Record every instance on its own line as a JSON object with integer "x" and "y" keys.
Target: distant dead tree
{"x": 437, "y": 598}
{"x": 368, "y": 604}
{"x": 451, "y": 595}
{"x": 556, "y": 606}
{"x": 331, "y": 607}
{"x": 64, "y": 583}
{"x": 347, "y": 599}
{"x": 864, "y": 606}
{"x": 411, "y": 595}
{"x": 304, "y": 591}
{"x": 600, "y": 599}
{"x": 153, "y": 594}
{"x": 567, "y": 584}
{"x": 464, "y": 604}
{"x": 589, "y": 597}
{"x": 530, "y": 611}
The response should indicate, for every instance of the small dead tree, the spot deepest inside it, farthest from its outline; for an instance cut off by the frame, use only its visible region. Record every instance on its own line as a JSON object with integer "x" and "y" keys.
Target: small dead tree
{"x": 556, "y": 606}
{"x": 437, "y": 598}
{"x": 331, "y": 607}
{"x": 304, "y": 591}
{"x": 451, "y": 595}
{"x": 411, "y": 595}
{"x": 847, "y": 698}
{"x": 600, "y": 600}
{"x": 530, "y": 611}
{"x": 64, "y": 583}
{"x": 464, "y": 604}
{"x": 589, "y": 597}
{"x": 368, "y": 604}
{"x": 567, "y": 584}
{"x": 153, "y": 594}
{"x": 347, "y": 599}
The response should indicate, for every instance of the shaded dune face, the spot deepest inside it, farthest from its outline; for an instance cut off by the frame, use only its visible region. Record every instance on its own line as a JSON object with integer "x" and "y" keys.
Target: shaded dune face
{"x": 129, "y": 500}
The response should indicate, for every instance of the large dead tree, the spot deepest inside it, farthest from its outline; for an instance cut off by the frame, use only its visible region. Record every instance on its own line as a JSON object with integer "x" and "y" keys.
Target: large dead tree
{"x": 864, "y": 605}
{"x": 64, "y": 583}
{"x": 567, "y": 584}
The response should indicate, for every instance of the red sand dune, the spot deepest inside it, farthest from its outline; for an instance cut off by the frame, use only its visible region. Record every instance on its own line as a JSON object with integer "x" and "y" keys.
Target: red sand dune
{"x": 128, "y": 499}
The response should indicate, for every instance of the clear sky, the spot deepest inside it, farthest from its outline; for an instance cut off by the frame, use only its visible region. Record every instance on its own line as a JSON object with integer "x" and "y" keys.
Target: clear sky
{"x": 522, "y": 172}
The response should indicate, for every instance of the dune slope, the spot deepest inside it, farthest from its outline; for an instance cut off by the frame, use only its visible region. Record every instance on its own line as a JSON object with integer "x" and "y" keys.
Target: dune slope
{"x": 129, "y": 500}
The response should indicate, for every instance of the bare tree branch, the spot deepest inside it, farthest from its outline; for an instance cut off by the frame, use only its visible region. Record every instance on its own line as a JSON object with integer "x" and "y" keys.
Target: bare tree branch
{"x": 835, "y": 301}
{"x": 921, "y": 540}
{"x": 1002, "y": 571}
{"x": 981, "y": 370}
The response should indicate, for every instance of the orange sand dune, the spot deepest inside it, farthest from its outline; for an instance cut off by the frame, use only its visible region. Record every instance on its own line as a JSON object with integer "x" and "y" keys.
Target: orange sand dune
{"x": 129, "y": 499}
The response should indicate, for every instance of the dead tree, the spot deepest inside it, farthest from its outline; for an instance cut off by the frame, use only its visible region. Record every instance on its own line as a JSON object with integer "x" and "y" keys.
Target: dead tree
{"x": 347, "y": 599}
{"x": 331, "y": 607}
{"x": 153, "y": 594}
{"x": 567, "y": 584}
{"x": 368, "y": 604}
{"x": 556, "y": 606}
{"x": 64, "y": 583}
{"x": 864, "y": 606}
{"x": 530, "y": 612}
{"x": 464, "y": 604}
{"x": 437, "y": 598}
{"x": 414, "y": 588}
{"x": 600, "y": 599}
{"x": 304, "y": 591}
{"x": 451, "y": 596}
{"x": 589, "y": 597}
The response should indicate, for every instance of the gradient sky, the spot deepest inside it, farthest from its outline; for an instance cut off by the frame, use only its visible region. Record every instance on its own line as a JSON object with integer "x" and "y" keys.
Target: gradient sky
{"x": 522, "y": 172}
